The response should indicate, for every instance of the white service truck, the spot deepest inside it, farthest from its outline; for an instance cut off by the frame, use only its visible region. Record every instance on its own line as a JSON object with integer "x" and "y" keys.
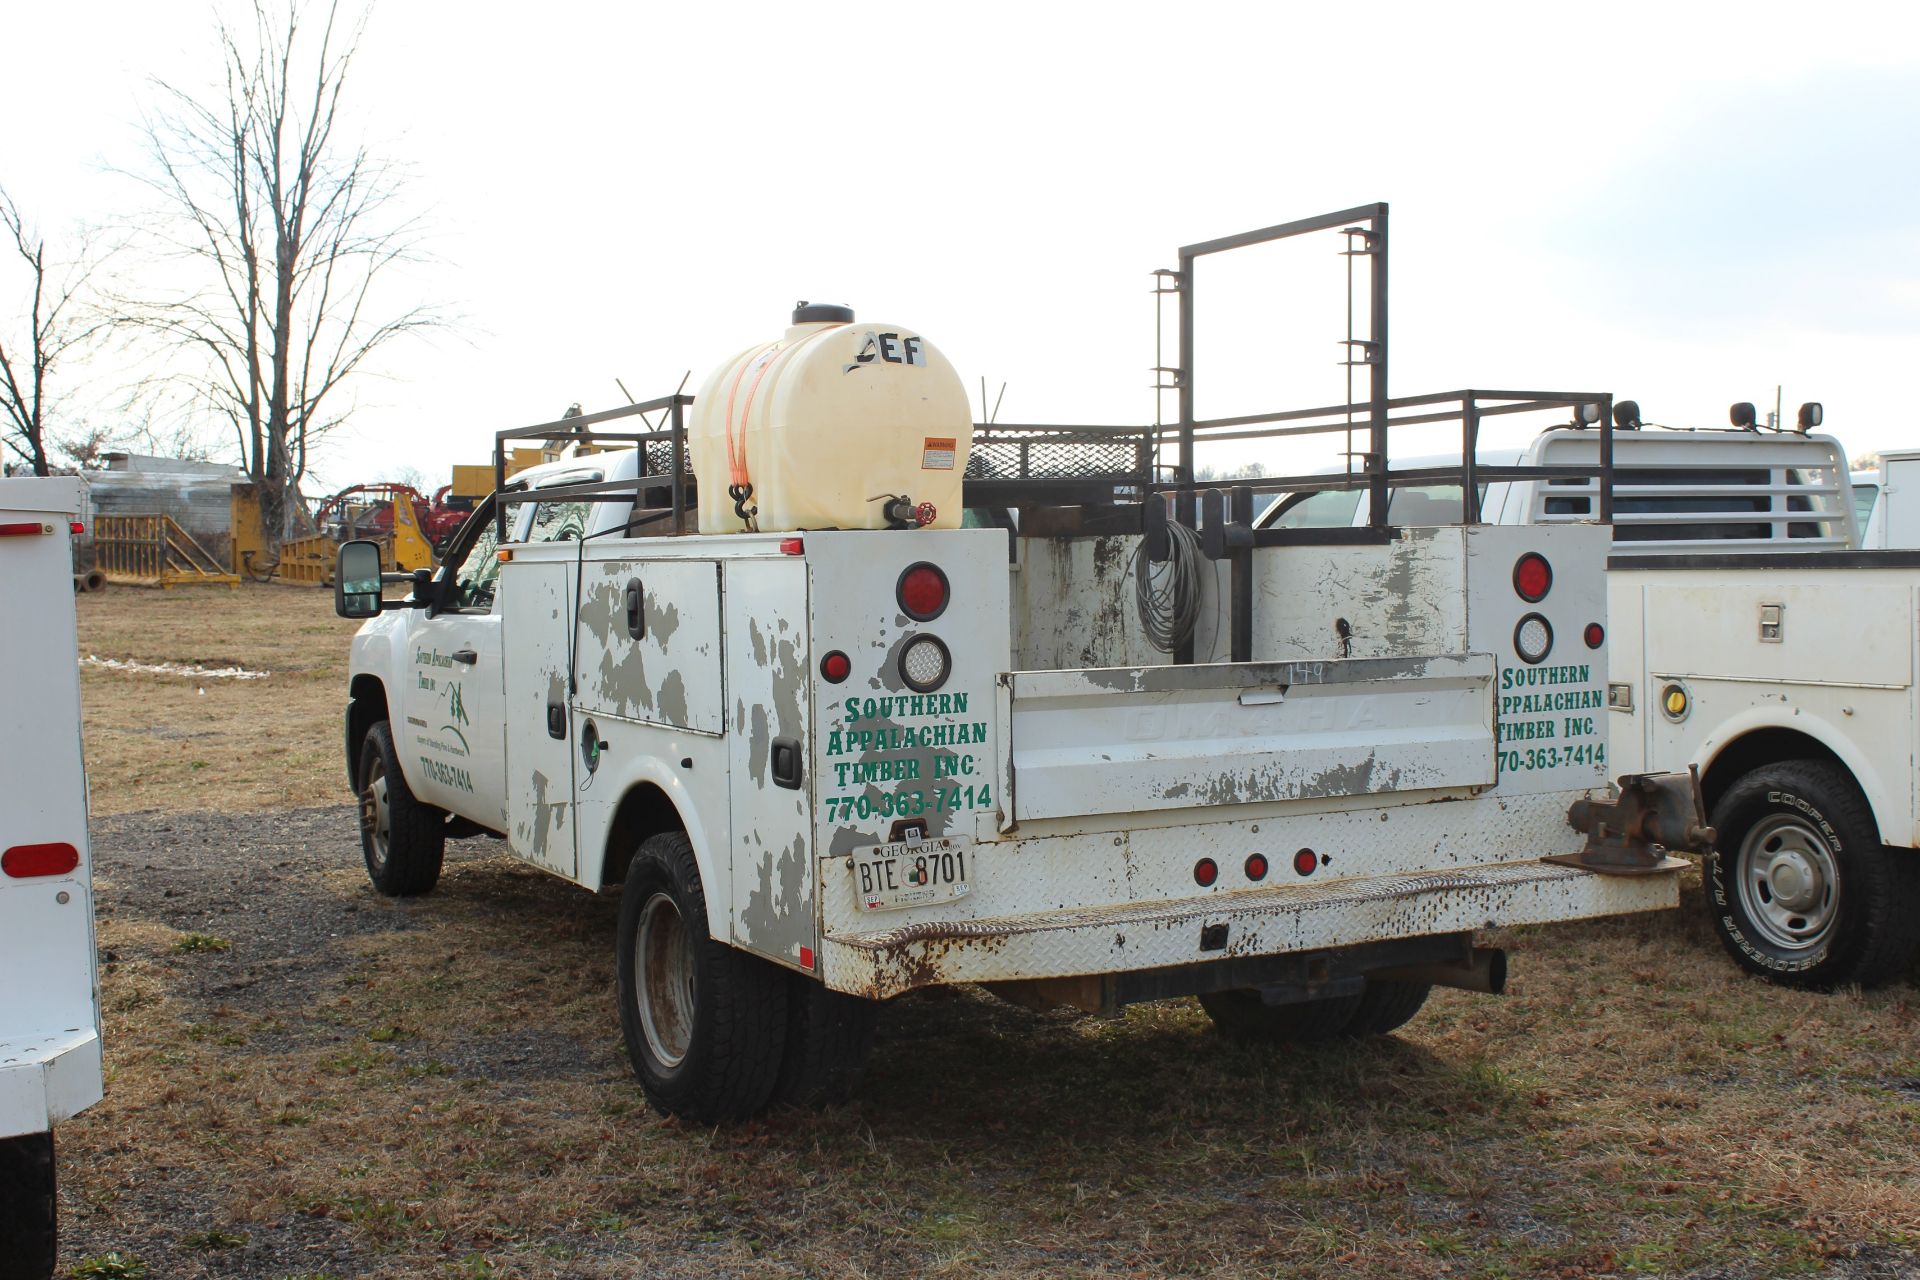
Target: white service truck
{"x": 50, "y": 1067}
{"x": 831, "y": 766}
{"x": 1753, "y": 639}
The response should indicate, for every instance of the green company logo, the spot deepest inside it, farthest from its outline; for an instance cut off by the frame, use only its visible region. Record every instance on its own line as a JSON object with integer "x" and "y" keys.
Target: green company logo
{"x": 456, "y": 707}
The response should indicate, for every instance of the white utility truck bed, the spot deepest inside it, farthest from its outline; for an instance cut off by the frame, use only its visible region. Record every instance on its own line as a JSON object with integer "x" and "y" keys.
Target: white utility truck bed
{"x": 50, "y": 1064}
{"x": 925, "y": 702}
{"x": 869, "y": 761}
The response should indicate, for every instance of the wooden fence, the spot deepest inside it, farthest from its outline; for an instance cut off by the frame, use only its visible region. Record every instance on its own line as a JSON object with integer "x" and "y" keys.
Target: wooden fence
{"x": 154, "y": 551}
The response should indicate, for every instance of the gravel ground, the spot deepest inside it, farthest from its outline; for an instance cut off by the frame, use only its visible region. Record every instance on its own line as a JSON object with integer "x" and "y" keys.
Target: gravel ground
{"x": 796, "y": 1196}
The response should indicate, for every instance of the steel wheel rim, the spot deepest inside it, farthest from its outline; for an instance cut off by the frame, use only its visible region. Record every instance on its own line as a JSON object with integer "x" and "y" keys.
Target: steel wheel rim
{"x": 1789, "y": 882}
{"x": 663, "y": 980}
{"x": 375, "y": 816}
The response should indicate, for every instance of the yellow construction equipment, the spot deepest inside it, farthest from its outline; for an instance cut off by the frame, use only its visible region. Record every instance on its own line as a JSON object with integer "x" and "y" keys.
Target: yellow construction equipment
{"x": 388, "y": 514}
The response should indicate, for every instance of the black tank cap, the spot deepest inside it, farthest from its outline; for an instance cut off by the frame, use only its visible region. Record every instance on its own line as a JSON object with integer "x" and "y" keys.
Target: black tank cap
{"x": 814, "y": 312}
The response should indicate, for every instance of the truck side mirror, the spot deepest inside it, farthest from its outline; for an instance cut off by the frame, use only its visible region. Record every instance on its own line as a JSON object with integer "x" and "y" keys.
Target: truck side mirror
{"x": 1810, "y": 415}
{"x": 356, "y": 580}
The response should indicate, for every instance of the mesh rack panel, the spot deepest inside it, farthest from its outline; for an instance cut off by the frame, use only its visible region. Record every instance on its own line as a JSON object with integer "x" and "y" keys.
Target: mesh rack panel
{"x": 1058, "y": 454}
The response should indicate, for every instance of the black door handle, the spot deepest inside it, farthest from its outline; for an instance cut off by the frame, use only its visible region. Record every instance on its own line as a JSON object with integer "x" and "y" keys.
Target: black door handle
{"x": 636, "y": 613}
{"x": 556, "y": 720}
{"x": 467, "y": 656}
{"x": 787, "y": 763}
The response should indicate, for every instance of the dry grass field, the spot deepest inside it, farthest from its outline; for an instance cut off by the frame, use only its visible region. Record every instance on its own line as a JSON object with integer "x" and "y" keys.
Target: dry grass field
{"x": 307, "y": 1080}
{"x": 180, "y": 742}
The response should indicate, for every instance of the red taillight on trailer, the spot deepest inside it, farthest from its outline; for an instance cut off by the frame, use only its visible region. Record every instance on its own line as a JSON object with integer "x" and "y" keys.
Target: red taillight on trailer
{"x": 76, "y": 528}
{"x": 836, "y": 667}
{"x": 1305, "y": 861}
{"x": 793, "y": 546}
{"x": 26, "y": 529}
{"x": 1256, "y": 867}
{"x": 25, "y": 861}
{"x": 1596, "y": 635}
{"x": 922, "y": 592}
{"x": 1205, "y": 872}
{"x": 1532, "y": 577}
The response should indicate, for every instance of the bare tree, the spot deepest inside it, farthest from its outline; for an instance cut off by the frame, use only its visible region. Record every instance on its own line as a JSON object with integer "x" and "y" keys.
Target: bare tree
{"x": 56, "y": 325}
{"x": 281, "y": 231}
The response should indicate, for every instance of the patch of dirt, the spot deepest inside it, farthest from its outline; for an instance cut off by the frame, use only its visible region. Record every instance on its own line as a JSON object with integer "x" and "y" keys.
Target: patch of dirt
{"x": 309, "y": 1080}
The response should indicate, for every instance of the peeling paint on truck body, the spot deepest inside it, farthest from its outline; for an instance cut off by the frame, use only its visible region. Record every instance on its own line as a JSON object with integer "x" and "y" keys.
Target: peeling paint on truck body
{"x": 1389, "y": 754}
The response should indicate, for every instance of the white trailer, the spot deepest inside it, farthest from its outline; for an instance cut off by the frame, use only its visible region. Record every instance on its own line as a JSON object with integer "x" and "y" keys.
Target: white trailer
{"x": 50, "y": 1064}
{"x": 827, "y": 768}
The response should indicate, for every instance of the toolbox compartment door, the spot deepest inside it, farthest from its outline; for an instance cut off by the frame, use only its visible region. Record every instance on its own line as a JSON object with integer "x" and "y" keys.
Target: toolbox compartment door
{"x": 1140, "y": 739}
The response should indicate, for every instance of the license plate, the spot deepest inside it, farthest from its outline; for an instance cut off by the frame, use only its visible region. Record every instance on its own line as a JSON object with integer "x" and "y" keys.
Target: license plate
{"x": 910, "y": 873}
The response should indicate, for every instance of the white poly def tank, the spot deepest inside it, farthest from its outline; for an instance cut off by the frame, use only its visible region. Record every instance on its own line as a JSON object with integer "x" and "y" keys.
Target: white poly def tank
{"x": 828, "y": 418}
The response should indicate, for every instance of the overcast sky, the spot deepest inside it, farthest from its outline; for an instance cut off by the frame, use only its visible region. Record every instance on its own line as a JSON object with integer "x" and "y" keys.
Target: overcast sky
{"x": 1682, "y": 204}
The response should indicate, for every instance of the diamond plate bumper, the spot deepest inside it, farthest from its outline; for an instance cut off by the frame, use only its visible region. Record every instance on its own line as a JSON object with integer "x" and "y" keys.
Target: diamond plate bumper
{"x": 1265, "y": 921}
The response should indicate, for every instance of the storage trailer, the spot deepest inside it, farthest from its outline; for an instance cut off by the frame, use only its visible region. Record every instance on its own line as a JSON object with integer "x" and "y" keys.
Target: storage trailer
{"x": 50, "y": 1067}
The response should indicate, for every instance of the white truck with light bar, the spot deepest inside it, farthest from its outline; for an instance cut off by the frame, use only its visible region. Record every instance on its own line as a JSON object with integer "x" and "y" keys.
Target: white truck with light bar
{"x": 828, "y": 766}
{"x": 1765, "y": 636}
{"x": 49, "y": 1002}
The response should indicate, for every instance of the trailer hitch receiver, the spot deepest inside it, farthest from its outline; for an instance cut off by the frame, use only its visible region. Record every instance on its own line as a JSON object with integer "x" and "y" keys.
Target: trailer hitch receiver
{"x": 1636, "y": 833}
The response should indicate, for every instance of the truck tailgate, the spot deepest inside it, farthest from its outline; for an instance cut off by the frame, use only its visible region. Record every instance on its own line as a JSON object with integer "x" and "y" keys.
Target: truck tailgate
{"x": 1126, "y": 739}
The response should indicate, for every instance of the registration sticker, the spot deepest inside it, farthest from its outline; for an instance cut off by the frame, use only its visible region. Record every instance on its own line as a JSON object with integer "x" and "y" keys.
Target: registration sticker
{"x": 911, "y": 873}
{"x": 937, "y": 453}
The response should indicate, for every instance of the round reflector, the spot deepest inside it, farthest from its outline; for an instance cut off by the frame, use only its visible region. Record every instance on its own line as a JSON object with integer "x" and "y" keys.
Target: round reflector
{"x": 925, "y": 664}
{"x": 1532, "y": 577}
{"x": 1533, "y": 639}
{"x": 922, "y": 592}
{"x": 836, "y": 667}
{"x": 1205, "y": 872}
{"x": 1256, "y": 867}
{"x": 1596, "y": 635}
{"x": 1305, "y": 861}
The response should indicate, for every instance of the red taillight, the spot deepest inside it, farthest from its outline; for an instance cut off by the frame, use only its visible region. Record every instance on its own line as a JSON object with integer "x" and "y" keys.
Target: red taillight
{"x": 922, "y": 592}
{"x": 1256, "y": 867}
{"x": 28, "y": 529}
{"x": 26, "y": 860}
{"x": 1205, "y": 872}
{"x": 1596, "y": 635}
{"x": 1532, "y": 577}
{"x": 836, "y": 666}
{"x": 76, "y": 528}
{"x": 793, "y": 546}
{"x": 1305, "y": 861}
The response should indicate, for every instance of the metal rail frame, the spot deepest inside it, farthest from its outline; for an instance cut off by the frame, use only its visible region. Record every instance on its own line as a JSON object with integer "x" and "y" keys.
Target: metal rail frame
{"x": 673, "y": 430}
{"x": 1228, "y": 531}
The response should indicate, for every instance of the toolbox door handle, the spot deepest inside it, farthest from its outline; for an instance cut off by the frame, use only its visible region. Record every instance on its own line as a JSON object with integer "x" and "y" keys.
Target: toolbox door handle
{"x": 467, "y": 656}
{"x": 557, "y": 720}
{"x": 636, "y": 613}
{"x": 786, "y": 763}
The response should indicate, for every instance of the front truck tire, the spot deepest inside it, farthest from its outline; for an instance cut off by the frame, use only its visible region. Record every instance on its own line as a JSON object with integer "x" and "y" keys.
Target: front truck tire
{"x": 704, "y": 1023}
{"x": 1800, "y": 889}
{"x": 404, "y": 840}
{"x": 28, "y": 1222}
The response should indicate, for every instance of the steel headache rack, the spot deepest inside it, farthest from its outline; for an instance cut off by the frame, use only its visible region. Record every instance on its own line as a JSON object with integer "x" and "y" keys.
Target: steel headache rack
{"x": 1057, "y": 480}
